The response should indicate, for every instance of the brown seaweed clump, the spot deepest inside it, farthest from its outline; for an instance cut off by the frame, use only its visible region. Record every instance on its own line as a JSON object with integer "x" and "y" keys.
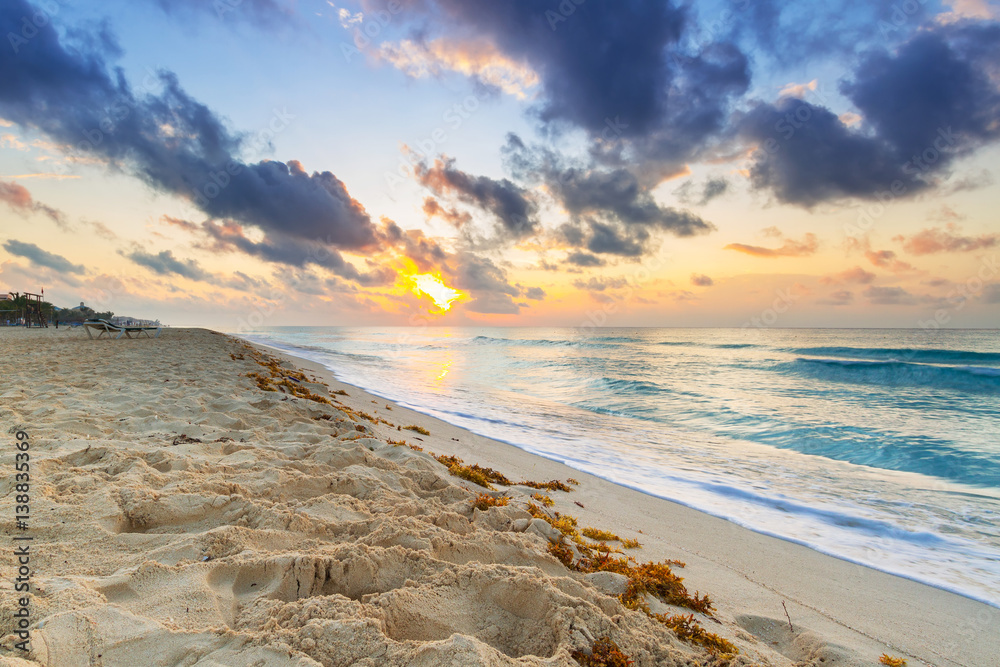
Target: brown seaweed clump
{"x": 604, "y": 653}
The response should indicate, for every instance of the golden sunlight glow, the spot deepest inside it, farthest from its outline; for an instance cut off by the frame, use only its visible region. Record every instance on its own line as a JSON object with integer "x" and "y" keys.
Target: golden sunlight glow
{"x": 429, "y": 284}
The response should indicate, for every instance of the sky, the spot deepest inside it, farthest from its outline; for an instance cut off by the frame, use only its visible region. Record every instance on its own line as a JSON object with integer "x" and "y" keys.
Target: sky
{"x": 744, "y": 163}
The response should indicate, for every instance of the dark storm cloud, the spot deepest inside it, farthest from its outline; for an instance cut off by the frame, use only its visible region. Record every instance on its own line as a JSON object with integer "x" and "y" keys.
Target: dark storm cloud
{"x": 611, "y": 211}
{"x": 171, "y": 141}
{"x": 655, "y": 85}
{"x": 40, "y": 257}
{"x": 939, "y": 81}
{"x": 509, "y": 203}
{"x": 622, "y": 71}
{"x": 820, "y": 158}
{"x": 606, "y": 60}
{"x": 584, "y": 259}
{"x": 927, "y": 103}
{"x": 282, "y": 249}
{"x": 165, "y": 264}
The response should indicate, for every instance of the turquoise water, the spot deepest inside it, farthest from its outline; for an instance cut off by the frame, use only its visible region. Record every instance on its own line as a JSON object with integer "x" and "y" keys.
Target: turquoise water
{"x": 881, "y": 447}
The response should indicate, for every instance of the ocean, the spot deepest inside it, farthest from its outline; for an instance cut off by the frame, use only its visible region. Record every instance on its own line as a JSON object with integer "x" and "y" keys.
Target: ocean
{"x": 881, "y": 447}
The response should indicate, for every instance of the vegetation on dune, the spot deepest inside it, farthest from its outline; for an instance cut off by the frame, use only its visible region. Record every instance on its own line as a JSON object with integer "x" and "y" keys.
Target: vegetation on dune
{"x": 604, "y": 653}
{"x": 687, "y": 629}
{"x": 484, "y": 501}
{"x": 543, "y": 499}
{"x": 279, "y": 378}
{"x": 484, "y": 477}
{"x": 656, "y": 579}
{"x": 554, "y": 485}
{"x": 600, "y": 535}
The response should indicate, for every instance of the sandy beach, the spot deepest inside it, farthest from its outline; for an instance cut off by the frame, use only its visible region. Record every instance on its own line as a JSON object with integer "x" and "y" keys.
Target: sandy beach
{"x": 195, "y": 500}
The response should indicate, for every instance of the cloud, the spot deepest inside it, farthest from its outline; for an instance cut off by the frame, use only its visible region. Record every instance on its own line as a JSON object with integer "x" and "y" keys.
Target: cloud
{"x": 974, "y": 181}
{"x": 47, "y": 175}
{"x": 791, "y": 248}
{"x": 425, "y": 252}
{"x": 19, "y": 199}
{"x": 165, "y": 264}
{"x": 433, "y": 209}
{"x": 180, "y": 223}
{"x": 101, "y": 230}
{"x": 857, "y": 275}
{"x": 886, "y": 259}
{"x": 945, "y": 213}
{"x": 889, "y": 296}
{"x": 283, "y": 249}
{"x": 509, "y": 203}
{"x": 40, "y": 257}
{"x": 808, "y": 154}
{"x": 487, "y": 284}
{"x": 476, "y": 59}
{"x": 982, "y": 9}
{"x": 584, "y": 259}
{"x": 935, "y": 240}
{"x": 600, "y": 284}
{"x": 839, "y": 298}
{"x": 710, "y": 189}
{"x": 642, "y": 85}
{"x": 714, "y": 187}
{"x": 701, "y": 280}
{"x": 534, "y": 293}
{"x": 169, "y": 140}
{"x": 611, "y": 211}
{"x": 798, "y": 90}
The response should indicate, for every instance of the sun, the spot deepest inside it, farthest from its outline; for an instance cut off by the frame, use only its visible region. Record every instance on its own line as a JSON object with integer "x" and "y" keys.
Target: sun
{"x": 432, "y": 286}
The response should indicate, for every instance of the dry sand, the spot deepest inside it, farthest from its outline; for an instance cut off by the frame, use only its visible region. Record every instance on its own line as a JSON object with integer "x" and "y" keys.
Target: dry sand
{"x": 273, "y": 535}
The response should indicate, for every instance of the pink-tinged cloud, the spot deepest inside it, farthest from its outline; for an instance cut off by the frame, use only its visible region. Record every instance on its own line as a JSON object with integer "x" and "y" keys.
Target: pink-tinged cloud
{"x": 454, "y": 217}
{"x": 791, "y": 248}
{"x": 477, "y": 59}
{"x": 186, "y": 225}
{"x": 886, "y": 259}
{"x": 19, "y": 199}
{"x": 856, "y": 275}
{"x": 934, "y": 240}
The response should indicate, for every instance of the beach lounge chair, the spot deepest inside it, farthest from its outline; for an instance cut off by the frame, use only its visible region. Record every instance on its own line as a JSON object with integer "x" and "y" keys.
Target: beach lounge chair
{"x": 105, "y": 327}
